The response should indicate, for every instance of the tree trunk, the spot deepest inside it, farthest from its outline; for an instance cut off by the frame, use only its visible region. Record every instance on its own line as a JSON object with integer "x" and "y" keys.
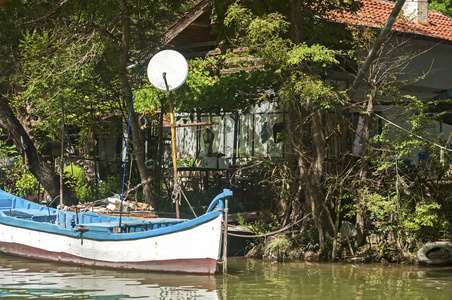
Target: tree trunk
{"x": 360, "y": 216}
{"x": 295, "y": 16}
{"x": 310, "y": 146}
{"x": 32, "y": 158}
{"x": 138, "y": 143}
{"x": 23, "y": 115}
{"x": 316, "y": 176}
{"x": 366, "y": 136}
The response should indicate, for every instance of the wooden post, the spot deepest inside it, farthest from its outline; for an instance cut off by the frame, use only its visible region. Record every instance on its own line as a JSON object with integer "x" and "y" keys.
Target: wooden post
{"x": 225, "y": 238}
{"x": 173, "y": 144}
{"x": 177, "y": 195}
{"x": 235, "y": 141}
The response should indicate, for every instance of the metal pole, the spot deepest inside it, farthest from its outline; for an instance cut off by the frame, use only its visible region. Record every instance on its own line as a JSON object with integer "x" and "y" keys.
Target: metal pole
{"x": 225, "y": 238}
{"x": 62, "y": 151}
{"x": 73, "y": 183}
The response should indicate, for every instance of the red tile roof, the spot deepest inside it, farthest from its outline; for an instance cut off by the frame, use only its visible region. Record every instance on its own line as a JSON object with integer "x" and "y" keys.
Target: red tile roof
{"x": 374, "y": 13}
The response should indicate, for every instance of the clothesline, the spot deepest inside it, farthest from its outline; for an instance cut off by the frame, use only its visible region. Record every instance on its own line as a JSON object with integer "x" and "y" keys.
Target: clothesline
{"x": 412, "y": 133}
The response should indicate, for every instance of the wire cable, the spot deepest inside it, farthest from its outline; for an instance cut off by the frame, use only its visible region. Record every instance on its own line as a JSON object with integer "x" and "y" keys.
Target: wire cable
{"x": 412, "y": 133}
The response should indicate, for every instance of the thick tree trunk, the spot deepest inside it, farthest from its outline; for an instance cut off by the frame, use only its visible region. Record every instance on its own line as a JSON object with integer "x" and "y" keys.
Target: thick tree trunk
{"x": 366, "y": 136}
{"x": 321, "y": 214}
{"x": 310, "y": 146}
{"x": 23, "y": 115}
{"x": 360, "y": 217}
{"x": 295, "y": 16}
{"x": 138, "y": 143}
{"x": 32, "y": 158}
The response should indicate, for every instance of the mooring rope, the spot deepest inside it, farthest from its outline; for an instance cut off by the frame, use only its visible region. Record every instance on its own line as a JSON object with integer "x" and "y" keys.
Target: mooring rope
{"x": 188, "y": 202}
{"x": 269, "y": 233}
{"x": 175, "y": 195}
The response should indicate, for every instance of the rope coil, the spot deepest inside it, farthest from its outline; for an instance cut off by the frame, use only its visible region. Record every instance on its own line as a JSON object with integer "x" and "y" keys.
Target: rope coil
{"x": 175, "y": 195}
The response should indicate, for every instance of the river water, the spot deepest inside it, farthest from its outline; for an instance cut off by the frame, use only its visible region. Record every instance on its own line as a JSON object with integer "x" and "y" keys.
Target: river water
{"x": 247, "y": 279}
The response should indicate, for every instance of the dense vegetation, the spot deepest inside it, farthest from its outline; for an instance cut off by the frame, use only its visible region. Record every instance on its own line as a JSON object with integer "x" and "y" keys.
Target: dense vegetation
{"x": 443, "y": 6}
{"x": 73, "y": 56}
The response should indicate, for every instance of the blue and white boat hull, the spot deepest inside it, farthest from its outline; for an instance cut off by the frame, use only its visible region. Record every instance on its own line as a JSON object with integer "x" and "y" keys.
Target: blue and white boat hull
{"x": 170, "y": 245}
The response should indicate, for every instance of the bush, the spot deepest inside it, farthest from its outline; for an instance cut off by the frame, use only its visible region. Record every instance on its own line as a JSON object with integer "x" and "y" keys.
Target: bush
{"x": 75, "y": 177}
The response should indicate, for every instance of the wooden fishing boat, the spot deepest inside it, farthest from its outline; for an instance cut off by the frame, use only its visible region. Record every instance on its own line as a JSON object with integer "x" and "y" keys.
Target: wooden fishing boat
{"x": 31, "y": 230}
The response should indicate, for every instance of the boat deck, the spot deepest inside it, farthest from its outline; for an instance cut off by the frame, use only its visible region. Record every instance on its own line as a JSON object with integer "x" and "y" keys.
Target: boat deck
{"x": 32, "y": 214}
{"x": 88, "y": 220}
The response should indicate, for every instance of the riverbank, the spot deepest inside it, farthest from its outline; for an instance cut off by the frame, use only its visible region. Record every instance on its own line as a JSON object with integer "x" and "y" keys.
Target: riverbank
{"x": 282, "y": 248}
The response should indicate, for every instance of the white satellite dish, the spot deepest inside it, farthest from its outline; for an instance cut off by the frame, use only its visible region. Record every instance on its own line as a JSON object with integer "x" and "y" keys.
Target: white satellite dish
{"x": 169, "y": 65}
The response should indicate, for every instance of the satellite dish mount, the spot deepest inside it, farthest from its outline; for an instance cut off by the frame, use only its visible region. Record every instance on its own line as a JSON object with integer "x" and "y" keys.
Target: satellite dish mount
{"x": 167, "y": 71}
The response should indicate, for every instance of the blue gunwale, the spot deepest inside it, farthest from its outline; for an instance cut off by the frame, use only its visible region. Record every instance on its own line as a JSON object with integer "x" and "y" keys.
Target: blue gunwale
{"x": 24, "y": 211}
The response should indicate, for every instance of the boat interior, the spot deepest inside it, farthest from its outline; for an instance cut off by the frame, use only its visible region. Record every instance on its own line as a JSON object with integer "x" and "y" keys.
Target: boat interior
{"x": 26, "y": 210}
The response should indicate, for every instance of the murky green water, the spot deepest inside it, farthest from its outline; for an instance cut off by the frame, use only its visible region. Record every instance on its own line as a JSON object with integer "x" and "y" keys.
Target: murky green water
{"x": 260, "y": 280}
{"x": 248, "y": 279}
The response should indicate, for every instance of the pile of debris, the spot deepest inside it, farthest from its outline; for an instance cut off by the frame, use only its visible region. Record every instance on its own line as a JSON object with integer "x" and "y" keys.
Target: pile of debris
{"x": 112, "y": 206}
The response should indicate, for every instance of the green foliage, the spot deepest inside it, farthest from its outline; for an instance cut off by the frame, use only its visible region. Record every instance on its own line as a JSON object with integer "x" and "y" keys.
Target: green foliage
{"x": 444, "y": 6}
{"x": 257, "y": 227}
{"x": 27, "y": 183}
{"x": 403, "y": 216}
{"x": 68, "y": 52}
{"x": 85, "y": 188}
{"x": 313, "y": 54}
{"x": 110, "y": 186}
{"x": 63, "y": 55}
{"x": 295, "y": 65}
{"x": 75, "y": 178}
{"x": 410, "y": 201}
{"x": 205, "y": 91}
{"x": 80, "y": 176}
{"x": 278, "y": 248}
{"x": 302, "y": 19}
{"x": 18, "y": 180}
{"x": 14, "y": 177}
{"x": 272, "y": 35}
{"x": 148, "y": 99}
{"x": 5, "y": 150}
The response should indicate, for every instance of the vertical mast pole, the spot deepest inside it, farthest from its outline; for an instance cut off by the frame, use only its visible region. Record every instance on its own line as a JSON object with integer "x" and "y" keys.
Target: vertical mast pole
{"x": 62, "y": 151}
{"x": 173, "y": 145}
{"x": 225, "y": 238}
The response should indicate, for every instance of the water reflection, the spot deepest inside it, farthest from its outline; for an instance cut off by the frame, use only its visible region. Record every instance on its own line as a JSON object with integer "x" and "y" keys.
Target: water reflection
{"x": 297, "y": 280}
{"x": 246, "y": 279}
{"x": 34, "y": 279}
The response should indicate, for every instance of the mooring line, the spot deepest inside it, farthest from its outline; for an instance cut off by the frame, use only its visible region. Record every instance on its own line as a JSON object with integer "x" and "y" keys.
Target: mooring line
{"x": 269, "y": 233}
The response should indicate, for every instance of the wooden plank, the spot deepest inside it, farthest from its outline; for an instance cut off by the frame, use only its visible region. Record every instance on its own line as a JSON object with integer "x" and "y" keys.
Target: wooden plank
{"x": 176, "y": 29}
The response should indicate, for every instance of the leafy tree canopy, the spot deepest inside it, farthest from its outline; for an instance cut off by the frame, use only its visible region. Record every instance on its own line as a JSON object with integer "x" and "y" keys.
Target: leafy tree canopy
{"x": 53, "y": 51}
{"x": 444, "y": 6}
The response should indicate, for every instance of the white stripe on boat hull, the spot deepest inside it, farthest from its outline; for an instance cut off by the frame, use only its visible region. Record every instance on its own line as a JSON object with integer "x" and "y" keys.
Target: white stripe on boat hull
{"x": 194, "y": 250}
